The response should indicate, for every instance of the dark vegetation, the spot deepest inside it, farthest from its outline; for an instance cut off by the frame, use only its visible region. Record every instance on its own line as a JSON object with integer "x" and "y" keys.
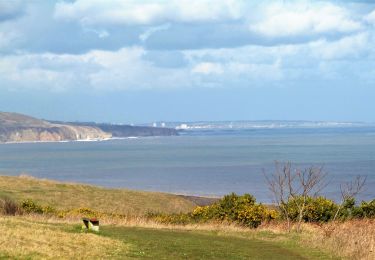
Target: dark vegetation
{"x": 127, "y": 130}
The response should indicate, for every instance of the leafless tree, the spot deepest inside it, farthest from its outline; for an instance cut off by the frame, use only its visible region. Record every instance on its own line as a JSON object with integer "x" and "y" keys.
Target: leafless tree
{"x": 309, "y": 183}
{"x": 278, "y": 184}
{"x": 349, "y": 190}
{"x": 295, "y": 185}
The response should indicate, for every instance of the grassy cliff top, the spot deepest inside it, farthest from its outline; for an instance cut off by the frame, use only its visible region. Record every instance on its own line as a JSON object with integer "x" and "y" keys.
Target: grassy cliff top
{"x": 69, "y": 196}
{"x": 17, "y": 120}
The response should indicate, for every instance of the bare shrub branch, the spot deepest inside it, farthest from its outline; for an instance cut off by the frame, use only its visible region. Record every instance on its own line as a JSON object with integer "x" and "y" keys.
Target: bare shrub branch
{"x": 349, "y": 190}
{"x": 287, "y": 184}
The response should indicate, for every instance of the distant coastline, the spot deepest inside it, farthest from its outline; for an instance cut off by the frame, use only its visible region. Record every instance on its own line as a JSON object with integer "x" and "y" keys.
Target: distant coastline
{"x": 78, "y": 140}
{"x": 18, "y": 128}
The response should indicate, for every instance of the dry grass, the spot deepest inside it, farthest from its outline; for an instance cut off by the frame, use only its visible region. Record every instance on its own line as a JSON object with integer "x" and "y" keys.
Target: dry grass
{"x": 22, "y": 238}
{"x": 353, "y": 239}
{"x": 70, "y": 196}
{"x": 349, "y": 240}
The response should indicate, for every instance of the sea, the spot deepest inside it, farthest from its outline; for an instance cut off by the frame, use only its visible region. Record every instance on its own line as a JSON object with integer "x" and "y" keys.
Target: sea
{"x": 207, "y": 158}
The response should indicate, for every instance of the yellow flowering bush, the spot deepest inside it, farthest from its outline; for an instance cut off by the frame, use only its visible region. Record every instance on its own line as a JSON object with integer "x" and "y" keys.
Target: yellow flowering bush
{"x": 30, "y": 206}
{"x": 231, "y": 208}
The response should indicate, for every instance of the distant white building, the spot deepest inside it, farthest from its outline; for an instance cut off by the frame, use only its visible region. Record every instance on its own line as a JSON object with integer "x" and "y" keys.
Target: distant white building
{"x": 182, "y": 126}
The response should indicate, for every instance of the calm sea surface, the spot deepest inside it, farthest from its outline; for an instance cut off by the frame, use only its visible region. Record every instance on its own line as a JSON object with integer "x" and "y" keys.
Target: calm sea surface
{"x": 200, "y": 162}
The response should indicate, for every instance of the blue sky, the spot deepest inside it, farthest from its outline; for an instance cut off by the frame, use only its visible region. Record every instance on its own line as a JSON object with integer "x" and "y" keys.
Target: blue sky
{"x": 185, "y": 60}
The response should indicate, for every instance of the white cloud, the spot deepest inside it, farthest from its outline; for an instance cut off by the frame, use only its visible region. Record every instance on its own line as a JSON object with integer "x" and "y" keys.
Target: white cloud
{"x": 350, "y": 57}
{"x": 144, "y": 36}
{"x": 348, "y": 47}
{"x": 303, "y": 18}
{"x": 100, "y": 70}
{"x": 208, "y": 68}
{"x": 371, "y": 18}
{"x": 93, "y": 12}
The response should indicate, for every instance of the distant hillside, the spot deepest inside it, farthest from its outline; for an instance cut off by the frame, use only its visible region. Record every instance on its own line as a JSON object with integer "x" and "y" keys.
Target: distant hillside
{"x": 69, "y": 196}
{"x": 126, "y": 130}
{"x": 19, "y": 120}
{"x": 16, "y": 127}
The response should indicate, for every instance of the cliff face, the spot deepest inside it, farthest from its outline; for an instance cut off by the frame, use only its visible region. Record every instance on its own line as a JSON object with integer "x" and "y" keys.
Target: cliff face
{"x": 20, "y": 128}
{"x": 125, "y": 130}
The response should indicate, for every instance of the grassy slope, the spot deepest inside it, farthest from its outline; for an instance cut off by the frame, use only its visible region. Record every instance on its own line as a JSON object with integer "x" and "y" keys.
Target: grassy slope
{"x": 68, "y": 196}
{"x": 34, "y": 239}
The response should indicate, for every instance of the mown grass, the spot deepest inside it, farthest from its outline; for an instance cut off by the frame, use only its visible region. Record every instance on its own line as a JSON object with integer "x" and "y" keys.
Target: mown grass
{"x": 193, "y": 244}
{"x": 69, "y": 196}
{"x": 30, "y": 238}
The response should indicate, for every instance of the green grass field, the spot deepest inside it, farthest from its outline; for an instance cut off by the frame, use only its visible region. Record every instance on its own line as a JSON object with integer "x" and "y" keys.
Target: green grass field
{"x": 51, "y": 237}
{"x": 177, "y": 244}
{"x": 25, "y": 238}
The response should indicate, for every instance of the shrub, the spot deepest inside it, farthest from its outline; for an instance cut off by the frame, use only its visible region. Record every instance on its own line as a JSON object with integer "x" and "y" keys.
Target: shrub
{"x": 9, "y": 207}
{"x": 29, "y": 206}
{"x": 317, "y": 209}
{"x": 252, "y": 216}
{"x": 368, "y": 209}
{"x": 231, "y": 208}
{"x": 364, "y": 210}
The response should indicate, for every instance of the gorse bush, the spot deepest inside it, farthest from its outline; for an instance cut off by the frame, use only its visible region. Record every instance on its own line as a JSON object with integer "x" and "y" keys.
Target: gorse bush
{"x": 317, "y": 209}
{"x": 349, "y": 210}
{"x": 242, "y": 210}
{"x": 320, "y": 209}
{"x": 29, "y": 206}
{"x": 253, "y": 216}
{"x": 234, "y": 208}
{"x": 367, "y": 209}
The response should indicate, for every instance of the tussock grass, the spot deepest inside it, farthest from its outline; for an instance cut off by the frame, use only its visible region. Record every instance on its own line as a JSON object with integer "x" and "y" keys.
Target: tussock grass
{"x": 354, "y": 239}
{"x": 70, "y": 196}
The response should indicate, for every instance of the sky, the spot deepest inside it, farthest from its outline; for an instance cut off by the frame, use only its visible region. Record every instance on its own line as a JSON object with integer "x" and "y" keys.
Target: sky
{"x": 136, "y": 61}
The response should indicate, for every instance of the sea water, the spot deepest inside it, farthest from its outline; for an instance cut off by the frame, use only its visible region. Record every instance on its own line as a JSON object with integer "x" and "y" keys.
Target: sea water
{"x": 202, "y": 161}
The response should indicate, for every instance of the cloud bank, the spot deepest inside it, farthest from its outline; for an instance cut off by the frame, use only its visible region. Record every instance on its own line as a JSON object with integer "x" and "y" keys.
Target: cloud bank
{"x": 136, "y": 45}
